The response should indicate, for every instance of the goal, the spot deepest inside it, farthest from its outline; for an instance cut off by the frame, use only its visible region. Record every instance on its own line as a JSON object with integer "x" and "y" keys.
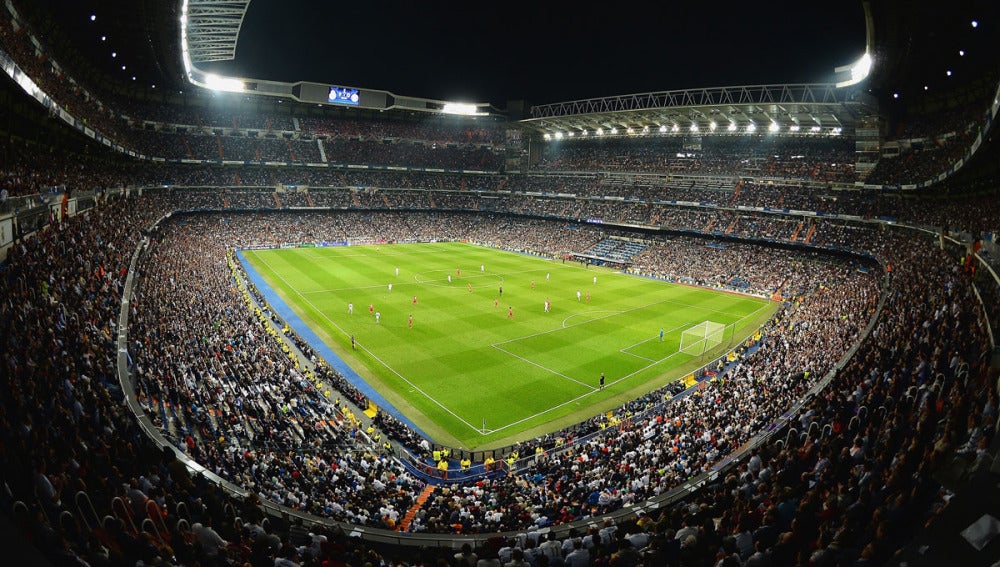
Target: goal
{"x": 702, "y": 337}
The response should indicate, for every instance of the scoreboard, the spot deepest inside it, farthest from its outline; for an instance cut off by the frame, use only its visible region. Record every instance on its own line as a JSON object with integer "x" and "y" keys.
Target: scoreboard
{"x": 343, "y": 95}
{"x": 339, "y": 95}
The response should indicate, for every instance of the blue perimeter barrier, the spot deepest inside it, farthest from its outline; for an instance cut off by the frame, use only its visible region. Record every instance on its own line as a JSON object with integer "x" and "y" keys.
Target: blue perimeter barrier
{"x": 303, "y": 330}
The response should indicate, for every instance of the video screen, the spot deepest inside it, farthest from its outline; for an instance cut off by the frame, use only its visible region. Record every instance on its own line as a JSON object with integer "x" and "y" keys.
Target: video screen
{"x": 343, "y": 95}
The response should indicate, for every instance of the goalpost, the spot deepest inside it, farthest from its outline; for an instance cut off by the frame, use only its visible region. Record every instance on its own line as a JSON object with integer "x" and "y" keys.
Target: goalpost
{"x": 702, "y": 337}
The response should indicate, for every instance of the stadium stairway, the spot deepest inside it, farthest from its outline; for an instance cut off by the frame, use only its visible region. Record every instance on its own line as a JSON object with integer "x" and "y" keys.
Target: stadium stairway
{"x": 777, "y": 291}
{"x": 385, "y": 199}
{"x": 291, "y": 152}
{"x": 309, "y": 200}
{"x": 795, "y": 235}
{"x": 218, "y": 142}
{"x": 277, "y": 200}
{"x": 354, "y": 199}
{"x": 810, "y": 232}
{"x": 404, "y": 524}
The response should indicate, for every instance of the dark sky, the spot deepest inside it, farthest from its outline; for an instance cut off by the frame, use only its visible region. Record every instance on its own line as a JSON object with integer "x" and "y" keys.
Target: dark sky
{"x": 546, "y": 51}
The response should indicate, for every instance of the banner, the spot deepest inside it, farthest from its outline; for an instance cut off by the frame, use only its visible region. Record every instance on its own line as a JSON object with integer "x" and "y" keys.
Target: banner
{"x": 6, "y": 231}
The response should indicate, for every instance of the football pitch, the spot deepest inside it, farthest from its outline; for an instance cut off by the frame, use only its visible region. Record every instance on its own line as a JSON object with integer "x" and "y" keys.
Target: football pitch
{"x": 483, "y": 364}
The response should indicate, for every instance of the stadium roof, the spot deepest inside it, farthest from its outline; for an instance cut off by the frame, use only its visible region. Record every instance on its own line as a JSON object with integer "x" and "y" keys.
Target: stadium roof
{"x": 212, "y": 28}
{"x": 803, "y": 108}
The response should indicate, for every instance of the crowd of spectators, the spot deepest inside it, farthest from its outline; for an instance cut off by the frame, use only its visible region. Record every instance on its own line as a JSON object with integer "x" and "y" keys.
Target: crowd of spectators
{"x": 580, "y": 197}
{"x": 216, "y": 134}
{"x": 820, "y": 159}
{"x": 212, "y": 377}
{"x": 922, "y": 161}
{"x": 214, "y": 146}
{"x": 856, "y": 476}
{"x": 188, "y": 261}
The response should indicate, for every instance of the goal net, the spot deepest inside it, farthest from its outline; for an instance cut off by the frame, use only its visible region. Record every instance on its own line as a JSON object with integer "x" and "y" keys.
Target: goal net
{"x": 702, "y": 337}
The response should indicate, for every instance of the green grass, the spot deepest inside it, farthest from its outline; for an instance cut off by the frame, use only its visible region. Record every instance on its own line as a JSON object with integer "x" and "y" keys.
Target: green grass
{"x": 464, "y": 361}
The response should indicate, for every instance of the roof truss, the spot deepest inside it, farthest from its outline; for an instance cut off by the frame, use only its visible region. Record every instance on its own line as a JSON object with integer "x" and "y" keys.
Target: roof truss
{"x": 794, "y": 107}
{"x": 213, "y": 28}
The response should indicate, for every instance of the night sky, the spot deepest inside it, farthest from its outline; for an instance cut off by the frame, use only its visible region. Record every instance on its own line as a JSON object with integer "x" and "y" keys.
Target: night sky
{"x": 545, "y": 51}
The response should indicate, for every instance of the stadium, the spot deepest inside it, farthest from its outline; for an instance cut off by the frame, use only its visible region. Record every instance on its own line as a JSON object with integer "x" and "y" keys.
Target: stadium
{"x": 269, "y": 319}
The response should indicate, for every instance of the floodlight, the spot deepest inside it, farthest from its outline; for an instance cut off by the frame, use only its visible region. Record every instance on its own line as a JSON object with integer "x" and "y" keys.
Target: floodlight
{"x": 859, "y": 70}
{"x": 614, "y": 130}
{"x": 218, "y": 83}
{"x": 751, "y": 127}
{"x": 600, "y": 131}
{"x": 123, "y": 67}
{"x": 459, "y": 108}
{"x": 975, "y": 24}
{"x": 104, "y": 38}
{"x": 93, "y": 17}
{"x": 114, "y": 54}
{"x": 731, "y": 127}
{"x": 895, "y": 95}
{"x": 570, "y": 134}
{"x": 773, "y": 127}
{"x": 694, "y": 127}
{"x": 794, "y": 128}
{"x": 663, "y": 129}
{"x": 926, "y": 87}
{"x": 961, "y": 53}
{"x": 948, "y": 72}
{"x": 814, "y": 129}
{"x": 546, "y": 136}
{"x": 676, "y": 128}
{"x": 584, "y": 133}
{"x": 629, "y": 130}
{"x": 559, "y": 135}
{"x": 712, "y": 125}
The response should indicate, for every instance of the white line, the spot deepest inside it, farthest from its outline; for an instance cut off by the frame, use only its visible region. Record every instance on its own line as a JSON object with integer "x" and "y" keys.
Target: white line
{"x": 647, "y": 340}
{"x": 623, "y": 378}
{"x": 564, "y": 321}
{"x": 429, "y": 282}
{"x": 331, "y": 290}
{"x": 580, "y": 397}
{"x": 612, "y": 314}
{"x": 549, "y": 370}
{"x": 380, "y": 361}
{"x": 625, "y": 352}
{"x": 626, "y": 349}
{"x": 497, "y": 346}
